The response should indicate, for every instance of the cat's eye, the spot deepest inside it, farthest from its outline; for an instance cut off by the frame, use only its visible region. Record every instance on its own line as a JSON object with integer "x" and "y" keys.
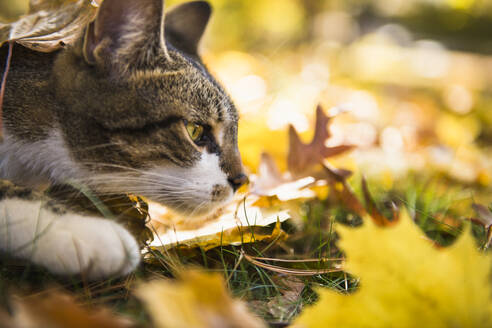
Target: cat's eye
{"x": 195, "y": 131}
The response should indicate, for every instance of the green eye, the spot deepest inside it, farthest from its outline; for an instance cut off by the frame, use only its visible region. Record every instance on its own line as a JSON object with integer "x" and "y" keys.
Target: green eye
{"x": 195, "y": 131}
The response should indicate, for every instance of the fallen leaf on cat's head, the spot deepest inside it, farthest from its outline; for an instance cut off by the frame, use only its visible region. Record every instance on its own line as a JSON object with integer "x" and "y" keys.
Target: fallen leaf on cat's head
{"x": 302, "y": 157}
{"x": 406, "y": 282}
{"x": 240, "y": 223}
{"x": 49, "y": 25}
{"x": 39, "y": 5}
{"x": 197, "y": 299}
{"x": 58, "y": 310}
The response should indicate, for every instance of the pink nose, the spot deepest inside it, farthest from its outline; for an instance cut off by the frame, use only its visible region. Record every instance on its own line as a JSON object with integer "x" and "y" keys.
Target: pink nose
{"x": 238, "y": 181}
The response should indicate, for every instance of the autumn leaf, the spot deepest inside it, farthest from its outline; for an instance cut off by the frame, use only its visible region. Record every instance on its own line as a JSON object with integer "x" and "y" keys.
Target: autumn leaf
{"x": 49, "y": 25}
{"x": 240, "y": 223}
{"x": 406, "y": 282}
{"x": 301, "y": 156}
{"x": 300, "y": 181}
{"x": 342, "y": 191}
{"x": 60, "y": 310}
{"x": 198, "y": 300}
{"x": 346, "y": 197}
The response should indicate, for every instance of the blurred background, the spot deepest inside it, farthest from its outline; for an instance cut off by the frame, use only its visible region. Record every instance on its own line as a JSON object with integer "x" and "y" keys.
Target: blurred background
{"x": 411, "y": 81}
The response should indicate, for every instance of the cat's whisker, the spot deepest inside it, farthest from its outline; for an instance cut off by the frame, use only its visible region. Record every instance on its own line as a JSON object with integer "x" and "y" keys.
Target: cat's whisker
{"x": 125, "y": 181}
{"x": 142, "y": 172}
{"x": 105, "y": 145}
{"x": 122, "y": 179}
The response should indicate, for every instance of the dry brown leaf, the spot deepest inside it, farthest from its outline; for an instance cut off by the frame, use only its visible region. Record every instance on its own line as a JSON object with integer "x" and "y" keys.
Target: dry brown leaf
{"x": 197, "y": 299}
{"x": 287, "y": 303}
{"x": 50, "y": 25}
{"x": 302, "y": 157}
{"x": 284, "y": 306}
{"x": 39, "y": 5}
{"x": 59, "y": 310}
{"x": 301, "y": 179}
{"x": 290, "y": 287}
{"x": 342, "y": 191}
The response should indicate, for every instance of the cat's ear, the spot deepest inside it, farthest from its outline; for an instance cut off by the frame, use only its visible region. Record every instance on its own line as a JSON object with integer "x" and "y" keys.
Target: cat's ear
{"x": 185, "y": 24}
{"x": 124, "y": 30}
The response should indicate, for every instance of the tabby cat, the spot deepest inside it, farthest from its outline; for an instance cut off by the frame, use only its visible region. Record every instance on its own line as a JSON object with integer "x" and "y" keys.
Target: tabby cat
{"x": 128, "y": 108}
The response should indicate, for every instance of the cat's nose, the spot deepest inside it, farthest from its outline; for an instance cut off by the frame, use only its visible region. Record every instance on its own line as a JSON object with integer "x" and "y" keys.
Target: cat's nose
{"x": 238, "y": 181}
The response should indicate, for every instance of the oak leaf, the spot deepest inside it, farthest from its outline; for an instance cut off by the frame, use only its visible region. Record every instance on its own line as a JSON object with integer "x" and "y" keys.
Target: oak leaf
{"x": 302, "y": 157}
{"x": 406, "y": 282}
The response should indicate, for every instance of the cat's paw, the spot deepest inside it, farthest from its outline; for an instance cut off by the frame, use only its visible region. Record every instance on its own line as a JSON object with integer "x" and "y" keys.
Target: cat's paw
{"x": 94, "y": 247}
{"x": 66, "y": 244}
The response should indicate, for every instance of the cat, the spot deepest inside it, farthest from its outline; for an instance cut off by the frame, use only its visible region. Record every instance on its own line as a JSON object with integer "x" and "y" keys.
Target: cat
{"x": 128, "y": 108}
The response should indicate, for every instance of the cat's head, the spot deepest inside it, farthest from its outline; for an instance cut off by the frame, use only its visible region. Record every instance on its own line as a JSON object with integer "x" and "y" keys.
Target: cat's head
{"x": 141, "y": 113}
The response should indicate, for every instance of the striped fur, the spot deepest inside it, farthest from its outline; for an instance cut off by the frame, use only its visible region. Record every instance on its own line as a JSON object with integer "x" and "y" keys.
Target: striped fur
{"x": 109, "y": 112}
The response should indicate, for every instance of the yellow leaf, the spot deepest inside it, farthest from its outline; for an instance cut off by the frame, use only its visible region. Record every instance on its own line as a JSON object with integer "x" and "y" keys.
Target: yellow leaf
{"x": 240, "y": 223}
{"x": 406, "y": 282}
{"x": 197, "y": 300}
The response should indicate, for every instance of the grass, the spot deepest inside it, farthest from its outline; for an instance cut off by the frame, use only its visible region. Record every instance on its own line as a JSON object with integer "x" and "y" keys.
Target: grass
{"x": 438, "y": 205}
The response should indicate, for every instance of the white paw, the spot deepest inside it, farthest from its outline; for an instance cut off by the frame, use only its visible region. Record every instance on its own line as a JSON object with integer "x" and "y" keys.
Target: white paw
{"x": 70, "y": 243}
{"x": 94, "y": 247}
